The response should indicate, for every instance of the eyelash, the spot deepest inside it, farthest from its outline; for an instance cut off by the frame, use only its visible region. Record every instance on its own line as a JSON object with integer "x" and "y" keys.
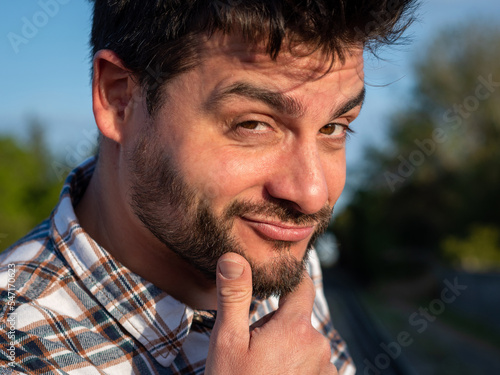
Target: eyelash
{"x": 253, "y": 122}
{"x": 347, "y": 129}
{"x": 349, "y": 133}
{"x": 344, "y": 137}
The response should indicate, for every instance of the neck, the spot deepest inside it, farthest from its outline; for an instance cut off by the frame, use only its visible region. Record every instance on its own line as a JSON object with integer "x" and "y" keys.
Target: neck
{"x": 104, "y": 213}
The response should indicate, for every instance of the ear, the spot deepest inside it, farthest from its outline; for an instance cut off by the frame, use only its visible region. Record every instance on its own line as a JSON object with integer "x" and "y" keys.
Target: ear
{"x": 113, "y": 90}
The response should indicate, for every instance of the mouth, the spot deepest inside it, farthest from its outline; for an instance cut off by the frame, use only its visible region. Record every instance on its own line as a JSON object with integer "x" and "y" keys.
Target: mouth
{"x": 279, "y": 231}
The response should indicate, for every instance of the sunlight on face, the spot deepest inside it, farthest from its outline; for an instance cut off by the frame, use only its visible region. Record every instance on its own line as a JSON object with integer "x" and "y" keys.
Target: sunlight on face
{"x": 247, "y": 155}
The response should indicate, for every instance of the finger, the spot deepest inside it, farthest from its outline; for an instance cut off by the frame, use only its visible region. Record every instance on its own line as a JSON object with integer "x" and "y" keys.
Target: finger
{"x": 330, "y": 370}
{"x": 234, "y": 295}
{"x": 300, "y": 301}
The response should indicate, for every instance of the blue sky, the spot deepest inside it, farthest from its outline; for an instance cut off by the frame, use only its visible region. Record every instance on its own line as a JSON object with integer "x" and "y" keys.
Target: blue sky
{"x": 46, "y": 74}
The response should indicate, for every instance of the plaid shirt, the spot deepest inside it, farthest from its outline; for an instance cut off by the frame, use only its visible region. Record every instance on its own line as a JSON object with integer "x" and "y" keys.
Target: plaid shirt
{"x": 68, "y": 307}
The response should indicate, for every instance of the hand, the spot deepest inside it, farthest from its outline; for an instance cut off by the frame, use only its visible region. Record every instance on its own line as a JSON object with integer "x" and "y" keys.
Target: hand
{"x": 284, "y": 342}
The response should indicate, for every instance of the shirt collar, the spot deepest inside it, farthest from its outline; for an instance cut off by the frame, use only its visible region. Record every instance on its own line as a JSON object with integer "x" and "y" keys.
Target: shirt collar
{"x": 158, "y": 321}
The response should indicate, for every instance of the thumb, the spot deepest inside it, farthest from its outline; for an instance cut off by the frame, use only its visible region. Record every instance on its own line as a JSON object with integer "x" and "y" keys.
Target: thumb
{"x": 234, "y": 295}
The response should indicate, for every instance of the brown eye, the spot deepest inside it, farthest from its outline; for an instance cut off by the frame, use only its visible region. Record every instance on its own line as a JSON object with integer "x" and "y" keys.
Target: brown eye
{"x": 333, "y": 129}
{"x": 251, "y": 125}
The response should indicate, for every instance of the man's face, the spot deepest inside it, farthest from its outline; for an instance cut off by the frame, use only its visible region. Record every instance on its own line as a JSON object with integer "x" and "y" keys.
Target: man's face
{"x": 246, "y": 155}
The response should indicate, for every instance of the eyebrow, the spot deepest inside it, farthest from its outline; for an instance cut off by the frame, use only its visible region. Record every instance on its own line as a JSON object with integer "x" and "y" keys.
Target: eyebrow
{"x": 278, "y": 101}
{"x": 281, "y": 102}
{"x": 352, "y": 103}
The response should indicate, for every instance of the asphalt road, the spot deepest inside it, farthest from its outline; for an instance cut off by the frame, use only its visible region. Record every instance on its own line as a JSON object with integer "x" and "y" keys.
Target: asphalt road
{"x": 441, "y": 349}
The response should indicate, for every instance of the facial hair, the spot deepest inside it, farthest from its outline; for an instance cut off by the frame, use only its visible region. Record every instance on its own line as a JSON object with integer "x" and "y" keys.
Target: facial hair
{"x": 185, "y": 223}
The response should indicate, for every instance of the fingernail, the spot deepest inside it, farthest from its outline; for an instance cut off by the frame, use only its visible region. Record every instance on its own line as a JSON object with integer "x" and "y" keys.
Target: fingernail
{"x": 230, "y": 269}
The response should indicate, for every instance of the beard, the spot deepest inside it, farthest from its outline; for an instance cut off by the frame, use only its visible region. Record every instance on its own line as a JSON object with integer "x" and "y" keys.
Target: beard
{"x": 185, "y": 223}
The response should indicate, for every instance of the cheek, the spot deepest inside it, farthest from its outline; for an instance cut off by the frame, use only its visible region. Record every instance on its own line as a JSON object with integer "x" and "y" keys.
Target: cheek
{"x": 222, "y": 175}
{"x": 335, "y": 175}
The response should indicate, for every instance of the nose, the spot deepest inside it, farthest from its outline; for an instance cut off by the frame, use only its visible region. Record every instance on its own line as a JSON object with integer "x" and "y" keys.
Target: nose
{"x": 299, "y": 178}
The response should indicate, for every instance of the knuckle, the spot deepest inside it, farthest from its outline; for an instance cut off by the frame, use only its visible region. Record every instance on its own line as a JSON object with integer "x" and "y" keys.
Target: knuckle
{"x": 319, "y": 344}
{"x": 234, "y": 293}
{"x": 303, "y": 326}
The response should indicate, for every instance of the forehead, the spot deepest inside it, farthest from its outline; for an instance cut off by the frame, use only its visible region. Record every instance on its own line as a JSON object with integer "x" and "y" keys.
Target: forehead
{"x": 310, "y": 78}
{"x": 297, "y": 62}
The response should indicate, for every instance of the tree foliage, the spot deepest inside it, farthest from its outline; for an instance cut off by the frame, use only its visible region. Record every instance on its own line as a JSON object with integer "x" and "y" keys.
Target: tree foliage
{"x": 439, "y": 180}
{"x": 28, "y": 187}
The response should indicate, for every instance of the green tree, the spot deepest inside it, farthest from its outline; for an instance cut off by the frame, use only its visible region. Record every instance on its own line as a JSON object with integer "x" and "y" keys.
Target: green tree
{"x": 28, "y": 187}
{"x": 440, "y": 177}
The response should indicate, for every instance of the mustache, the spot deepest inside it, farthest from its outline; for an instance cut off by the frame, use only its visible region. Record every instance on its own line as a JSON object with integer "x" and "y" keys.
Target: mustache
{"x": 281, "y": 211}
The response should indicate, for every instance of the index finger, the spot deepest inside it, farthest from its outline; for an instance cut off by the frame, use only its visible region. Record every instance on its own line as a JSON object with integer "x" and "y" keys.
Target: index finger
{"x": 300, "y": 301}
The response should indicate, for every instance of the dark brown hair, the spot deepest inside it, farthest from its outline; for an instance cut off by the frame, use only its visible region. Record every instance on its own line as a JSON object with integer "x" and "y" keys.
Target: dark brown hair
{"x": 158, "y": 39}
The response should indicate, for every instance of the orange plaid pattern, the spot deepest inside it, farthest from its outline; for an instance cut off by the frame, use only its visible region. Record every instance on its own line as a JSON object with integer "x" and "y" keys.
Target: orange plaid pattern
{"x": 68, "y": 307}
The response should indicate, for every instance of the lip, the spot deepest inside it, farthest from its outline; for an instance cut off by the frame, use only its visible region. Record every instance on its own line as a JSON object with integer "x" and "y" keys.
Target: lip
{"x": 279, "y": 231}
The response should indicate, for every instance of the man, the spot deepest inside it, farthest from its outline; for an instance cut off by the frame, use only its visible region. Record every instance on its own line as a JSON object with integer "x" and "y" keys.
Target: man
{"x": 222, "y": 154}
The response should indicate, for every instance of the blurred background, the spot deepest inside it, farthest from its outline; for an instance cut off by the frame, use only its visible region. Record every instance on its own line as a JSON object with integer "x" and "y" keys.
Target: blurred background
{"x": 412, "y": 258}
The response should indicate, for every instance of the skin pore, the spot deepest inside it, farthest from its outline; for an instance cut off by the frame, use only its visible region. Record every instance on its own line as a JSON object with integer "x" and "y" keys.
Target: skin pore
{"x": 246, "y": 154}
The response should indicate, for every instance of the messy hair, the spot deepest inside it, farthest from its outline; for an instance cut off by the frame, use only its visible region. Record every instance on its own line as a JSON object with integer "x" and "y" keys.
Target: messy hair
{"x": 158, "y": 39}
